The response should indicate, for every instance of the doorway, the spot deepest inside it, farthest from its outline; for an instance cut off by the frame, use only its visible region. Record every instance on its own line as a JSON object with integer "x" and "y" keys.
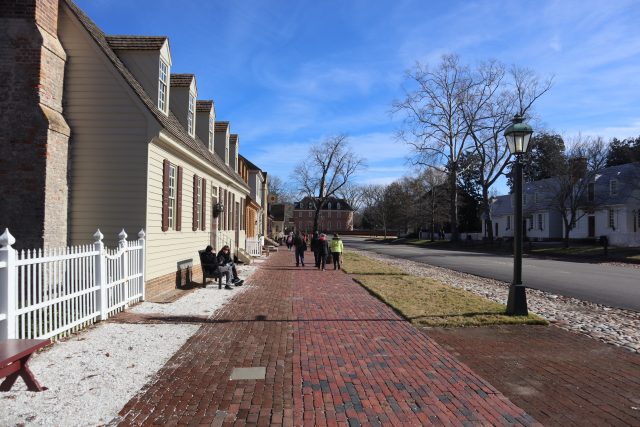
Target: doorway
{"x": 592, "y": 226}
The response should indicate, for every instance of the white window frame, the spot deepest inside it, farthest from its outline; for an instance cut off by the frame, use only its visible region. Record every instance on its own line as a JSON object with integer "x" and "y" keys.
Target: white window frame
{"x": 163, "y": 86}
{"x": 173, "y": 195}
{"x": 613, "y": 187}
{"x": 338, "y": 206}
{"x": 211, "y": 124}
{"x": 191, "y": 128}
{"x": 540, "y": 221}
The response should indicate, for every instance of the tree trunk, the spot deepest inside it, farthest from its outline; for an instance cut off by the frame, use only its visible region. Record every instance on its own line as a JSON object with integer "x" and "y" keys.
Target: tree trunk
{"x": 453, "y": 207}
{"x": 488, "y": 226}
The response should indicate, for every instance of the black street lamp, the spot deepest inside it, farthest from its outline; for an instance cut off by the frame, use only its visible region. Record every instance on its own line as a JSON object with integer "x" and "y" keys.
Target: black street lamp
{"x": 517, "y": 136}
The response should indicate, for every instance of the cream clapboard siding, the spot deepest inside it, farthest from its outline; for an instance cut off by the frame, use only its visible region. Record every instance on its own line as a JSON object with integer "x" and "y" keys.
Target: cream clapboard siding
{"x": 108, "y": 144}
{"x": 166, "y": 249}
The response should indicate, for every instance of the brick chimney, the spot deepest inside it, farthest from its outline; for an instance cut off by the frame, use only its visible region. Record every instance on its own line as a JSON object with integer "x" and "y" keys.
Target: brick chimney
{"x": 34, "y": 135}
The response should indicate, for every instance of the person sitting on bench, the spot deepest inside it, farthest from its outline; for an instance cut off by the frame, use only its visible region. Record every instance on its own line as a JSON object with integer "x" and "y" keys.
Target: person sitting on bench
{"x": 211, "y": 263}
{"x": 224, "y": 258}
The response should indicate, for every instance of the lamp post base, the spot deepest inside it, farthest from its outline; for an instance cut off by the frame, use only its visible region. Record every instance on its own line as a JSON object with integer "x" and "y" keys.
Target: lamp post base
{"x": 517, "y": 302}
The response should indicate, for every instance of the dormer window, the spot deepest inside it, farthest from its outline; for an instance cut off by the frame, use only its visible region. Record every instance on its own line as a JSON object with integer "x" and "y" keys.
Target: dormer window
{"x": 211, "y": 133}
{"x": 162, "y": 86}
{"x": 613, "y": 187}
{"x": 329, "y": 205}
{"x": 338, "y": 206}
{"x": 191, "y": 114}
{"x": 310, "y": 205}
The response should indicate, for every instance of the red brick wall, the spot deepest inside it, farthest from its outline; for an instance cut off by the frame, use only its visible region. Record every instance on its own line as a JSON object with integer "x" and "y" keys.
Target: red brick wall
{"x": 33, "y": 133}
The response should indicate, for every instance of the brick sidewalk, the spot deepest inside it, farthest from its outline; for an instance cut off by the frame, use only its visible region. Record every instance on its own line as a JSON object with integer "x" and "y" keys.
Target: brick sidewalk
{"x": 559, "y": 377}
{"x": 334, "y": 355}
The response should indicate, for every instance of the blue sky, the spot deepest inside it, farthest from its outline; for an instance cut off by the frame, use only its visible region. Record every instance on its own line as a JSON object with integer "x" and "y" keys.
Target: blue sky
{"x": 287, "y": 74}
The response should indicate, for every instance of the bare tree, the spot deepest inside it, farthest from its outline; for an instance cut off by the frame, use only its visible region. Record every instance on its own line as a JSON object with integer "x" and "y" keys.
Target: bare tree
{"x": 283, "y": 191}
{"x": 489, "y": 105}
{"x": 434, "y": 124}
{"x": 352, "y": 193}
{"x": 375, "y": 209}
{"x": 569, "y": 190}
{"x": 437, "y": 192}
{"x": 330, "y": 166}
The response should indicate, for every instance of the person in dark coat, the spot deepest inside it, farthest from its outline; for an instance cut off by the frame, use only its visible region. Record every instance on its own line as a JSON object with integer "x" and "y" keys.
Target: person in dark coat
{"x": 315, "y": 247}
{"x": 211, "y": 264}
{"x": 300, "y": 246}
{"x": 323, "y": 250}
{"x": 224, "y": 258}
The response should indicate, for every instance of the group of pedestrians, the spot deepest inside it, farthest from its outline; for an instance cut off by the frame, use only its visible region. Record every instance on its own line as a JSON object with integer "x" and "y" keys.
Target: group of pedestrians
{"x": 223, "y": 264}
{"x": 321, "y": 247}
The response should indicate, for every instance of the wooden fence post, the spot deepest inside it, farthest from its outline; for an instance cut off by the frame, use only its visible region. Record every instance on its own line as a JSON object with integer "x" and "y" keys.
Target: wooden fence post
{"x": 101, "y": 275}
{"x": 7, "y": 285}
{"x": 123, "y": 244}
{"x": 141, "y": 263}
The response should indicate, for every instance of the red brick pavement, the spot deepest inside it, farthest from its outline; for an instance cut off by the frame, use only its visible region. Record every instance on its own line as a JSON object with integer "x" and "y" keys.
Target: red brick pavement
{"x": 334, "y": 355}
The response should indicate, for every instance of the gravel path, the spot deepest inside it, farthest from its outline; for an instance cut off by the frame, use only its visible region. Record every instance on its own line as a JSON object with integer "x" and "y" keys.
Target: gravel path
{"x": 611, "y": 325}
{"x": 93, "y": 374}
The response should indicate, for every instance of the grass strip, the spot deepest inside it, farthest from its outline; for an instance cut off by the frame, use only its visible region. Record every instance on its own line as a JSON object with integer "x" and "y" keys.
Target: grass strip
{"x": 427, "y": 302}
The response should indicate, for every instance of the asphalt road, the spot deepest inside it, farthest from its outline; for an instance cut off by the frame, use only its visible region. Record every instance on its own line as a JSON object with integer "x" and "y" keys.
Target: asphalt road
{"x": 604, "y": 284}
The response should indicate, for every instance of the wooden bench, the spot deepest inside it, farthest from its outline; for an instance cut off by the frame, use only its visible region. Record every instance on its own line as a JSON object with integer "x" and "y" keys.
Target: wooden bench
{"x": 216, "y": 274}
{"x": 14, "y": 355}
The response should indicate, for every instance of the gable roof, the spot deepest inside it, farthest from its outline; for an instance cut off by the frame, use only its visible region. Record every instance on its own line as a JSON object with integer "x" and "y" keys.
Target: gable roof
{"x": 222, "y": 126}
{"x": 204, "y": 106}
{"x": 250, "y": 165}
{"x": 128, "y": 42}
{"x": 170, "y": 122}
{"x": 181, "y": 80}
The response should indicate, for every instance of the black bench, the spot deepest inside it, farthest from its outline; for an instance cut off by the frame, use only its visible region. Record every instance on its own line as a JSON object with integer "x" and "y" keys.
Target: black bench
{"x": 215, "y": 275}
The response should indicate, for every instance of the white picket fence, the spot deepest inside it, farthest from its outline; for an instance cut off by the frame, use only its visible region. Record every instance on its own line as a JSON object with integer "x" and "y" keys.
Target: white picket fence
{"x": 49, "y": 293}
{"x": 253, "y": 246}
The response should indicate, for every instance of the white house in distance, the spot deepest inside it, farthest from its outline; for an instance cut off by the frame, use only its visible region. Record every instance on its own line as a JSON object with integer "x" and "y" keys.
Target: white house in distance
{"x": 143, "y": 151}
{"x": 612, "y": 198}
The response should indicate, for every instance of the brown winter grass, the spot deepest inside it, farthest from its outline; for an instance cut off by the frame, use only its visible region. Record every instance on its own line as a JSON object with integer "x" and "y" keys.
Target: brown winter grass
{"x": 427, "y": 302}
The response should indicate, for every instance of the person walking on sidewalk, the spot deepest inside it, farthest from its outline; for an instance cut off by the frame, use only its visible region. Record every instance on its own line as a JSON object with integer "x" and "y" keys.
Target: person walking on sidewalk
{"x": 323, "y": 250}
{"x": 299, "y": 247}
{"x": 336, "y": 246}
{"x": 315, "y": 247}
{"x": 290, "y": 240}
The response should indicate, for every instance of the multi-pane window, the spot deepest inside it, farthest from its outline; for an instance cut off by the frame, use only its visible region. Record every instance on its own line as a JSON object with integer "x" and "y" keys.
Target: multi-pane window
{"x": 540, "y": 222}
{"x": 329, "y": 205}
{"x": 612, "y": 219}
{"x": 211, "y": 133}
{"x": 613, "y": 187}
{"x": 310, "y": 214}
{"x": 162, "y": 86}
{"x": 535, "y": 197}
{"x": 173, "y": 186}
{"x": 190, "y": 113}
{"x": 338, "y": 206}
{"x": 508, "y": 222}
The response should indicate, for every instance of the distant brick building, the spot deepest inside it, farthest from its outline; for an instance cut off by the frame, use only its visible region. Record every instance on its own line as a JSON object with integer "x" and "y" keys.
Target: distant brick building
{"x": 336, "y": 215}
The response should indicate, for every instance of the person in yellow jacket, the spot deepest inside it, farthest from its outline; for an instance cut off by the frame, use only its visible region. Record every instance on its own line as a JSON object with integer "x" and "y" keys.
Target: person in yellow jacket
{"x": 336, "y": 248}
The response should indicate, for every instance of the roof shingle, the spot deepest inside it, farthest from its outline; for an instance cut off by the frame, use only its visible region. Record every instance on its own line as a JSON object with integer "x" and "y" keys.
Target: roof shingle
{"x": 127, "y": 42}
{"x": 204, "y": 106}
{"x": 181, "y": 80}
